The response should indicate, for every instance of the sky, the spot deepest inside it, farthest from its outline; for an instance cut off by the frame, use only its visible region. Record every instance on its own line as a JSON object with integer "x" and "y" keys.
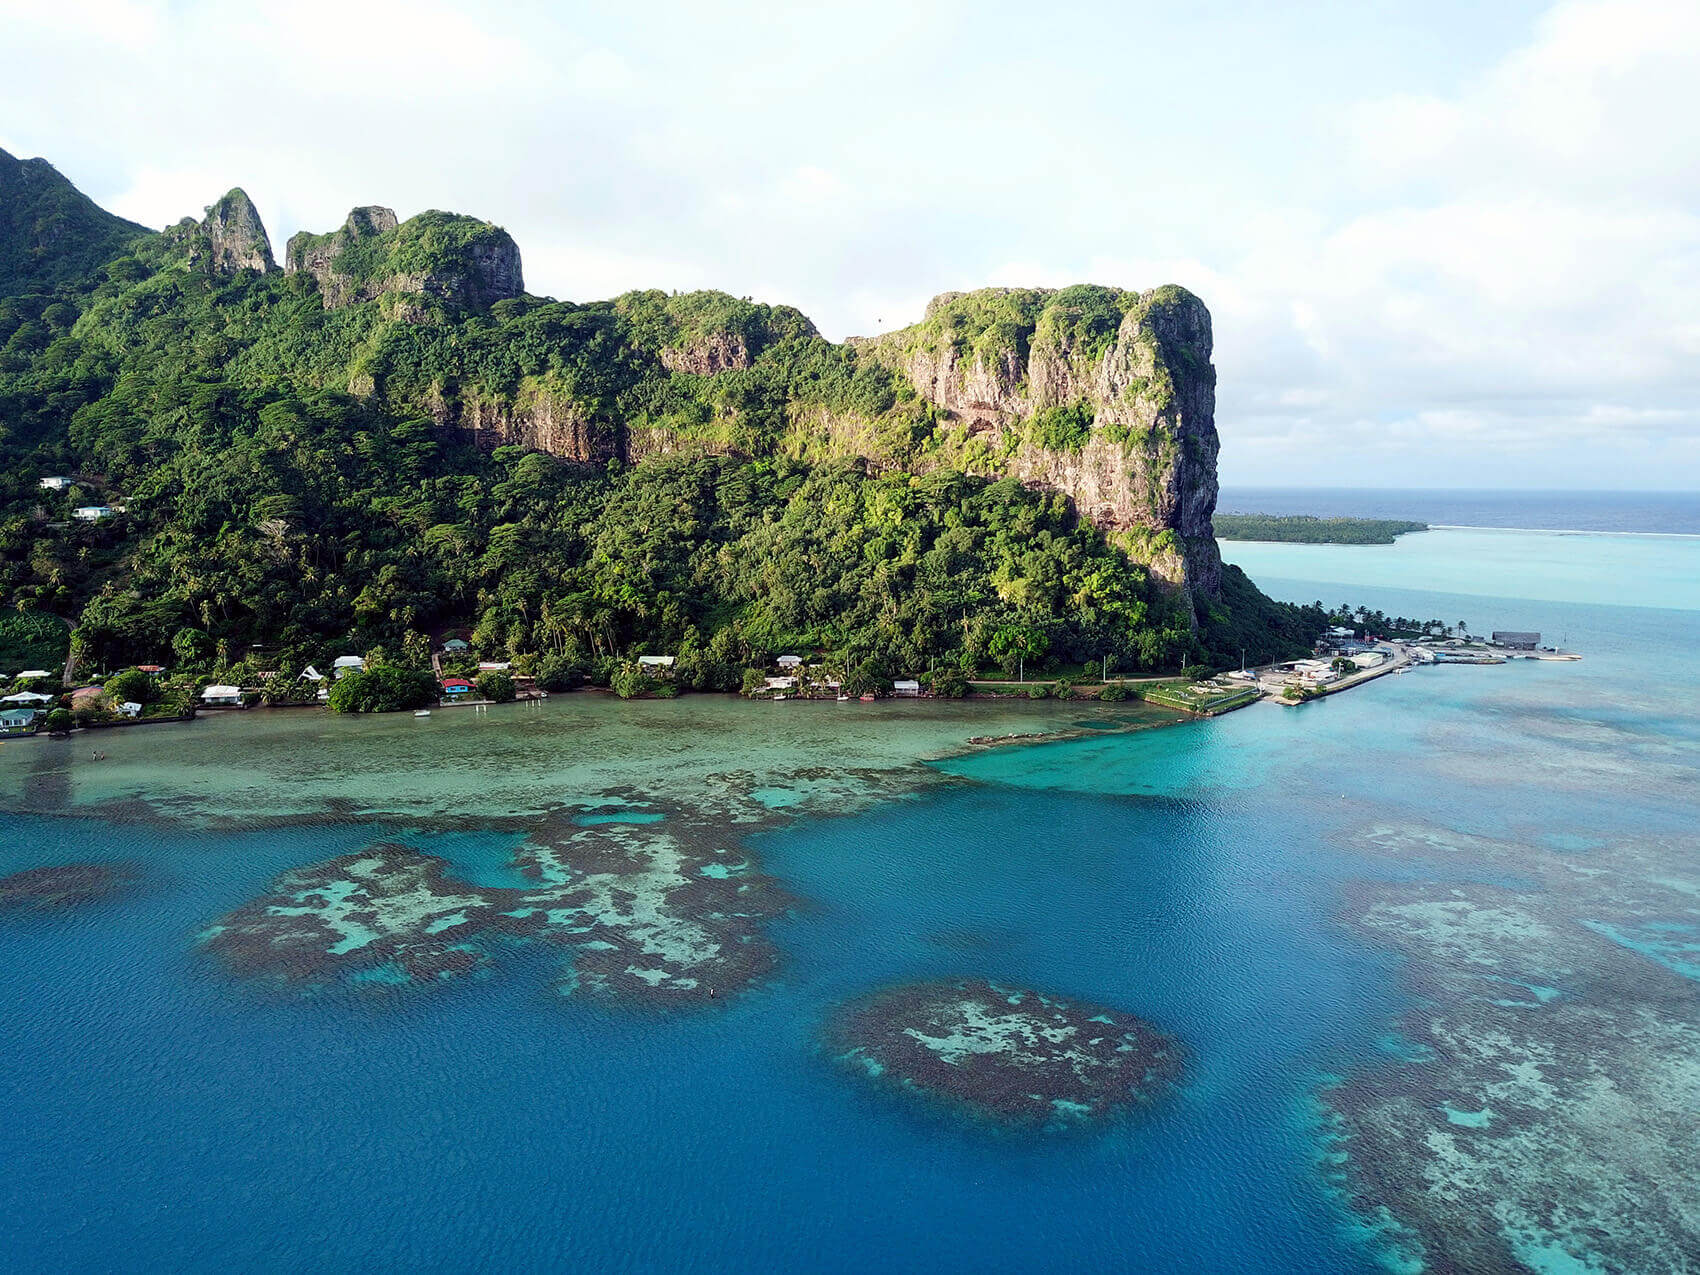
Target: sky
{"x": 1447, "y": 244}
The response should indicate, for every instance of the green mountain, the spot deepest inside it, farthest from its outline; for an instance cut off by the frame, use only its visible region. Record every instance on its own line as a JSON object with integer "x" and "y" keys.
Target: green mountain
{"x": 50, "y": 232}
{"x": 388, "y": 436}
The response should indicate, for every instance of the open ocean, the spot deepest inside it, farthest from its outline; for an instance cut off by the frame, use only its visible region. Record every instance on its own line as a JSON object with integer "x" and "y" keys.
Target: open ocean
{"x": 1430, "y": 949}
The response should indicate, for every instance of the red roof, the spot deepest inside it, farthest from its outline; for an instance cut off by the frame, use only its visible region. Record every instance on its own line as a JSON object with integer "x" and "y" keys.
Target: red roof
{"x": 151, "y": 668}
{"x": 456, "y": 684}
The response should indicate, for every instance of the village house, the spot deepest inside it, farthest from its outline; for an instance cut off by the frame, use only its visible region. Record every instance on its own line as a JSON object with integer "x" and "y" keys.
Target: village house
{"x": 29, "y": 673}
{"x": 456, "y": 686}
{"x": 25, "y": 697}
{"x": 906, "y": 687}
{"x": 92, "y": 513}
{"x": 657, "y": 665}
{"x": 55, "y": 482}
{"x": 790, "y": 661}
{"x": 455, "y": 646}
{"x": 222, "y": 697}
{"x": 129, "y": 708}
{"x": 17, "y": 719}
{"x": 346, "y": 664}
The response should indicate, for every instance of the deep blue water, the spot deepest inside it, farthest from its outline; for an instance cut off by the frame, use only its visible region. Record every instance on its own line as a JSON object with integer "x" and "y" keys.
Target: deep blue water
{"x": 156, "y": 1115}
{"x": 1664, "y": 512}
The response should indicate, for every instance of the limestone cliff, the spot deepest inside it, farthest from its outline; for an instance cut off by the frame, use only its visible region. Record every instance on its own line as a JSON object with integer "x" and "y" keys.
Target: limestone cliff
{"x": 232, "y": 237}
{"x": 460, "y": 262}
{"x": 1106, "y": 396}
{"x": 541, "y": 415}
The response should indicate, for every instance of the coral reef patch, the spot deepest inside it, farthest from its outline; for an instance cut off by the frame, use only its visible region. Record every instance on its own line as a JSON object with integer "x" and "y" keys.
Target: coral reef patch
{"x": 641, "y": 912}
{"x": 1006, "y": 1056}
{"x": 1541, "y": 1117}
{"x": 65, "y": 885}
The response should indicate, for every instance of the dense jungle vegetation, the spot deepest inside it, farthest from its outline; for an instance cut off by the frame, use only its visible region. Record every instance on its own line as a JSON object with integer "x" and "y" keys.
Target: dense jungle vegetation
{"x": 278, "y": 475}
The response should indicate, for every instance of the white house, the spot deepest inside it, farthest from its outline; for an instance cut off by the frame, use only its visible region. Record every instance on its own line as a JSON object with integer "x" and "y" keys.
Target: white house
{"x": 781, "y": 683}
{"x": 34, "y": 672}
{"x": 92, "y": 513}
{"x": 57, "y": 482}
{"x": 907, "y": 686}
{"x": 494, "y": 666}
{"x": 215, "y": 695}
{"x": 130, "y": 708}
{"x": 25, "y": 697}
{"x": 790, "y": 661}
{"x": 1339, "y": 631}
{"x": 346, "y": 664}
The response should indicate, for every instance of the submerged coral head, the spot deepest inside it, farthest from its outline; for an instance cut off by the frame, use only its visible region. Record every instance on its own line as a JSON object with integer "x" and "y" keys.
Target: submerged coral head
{"x": 1005, "y": 1055}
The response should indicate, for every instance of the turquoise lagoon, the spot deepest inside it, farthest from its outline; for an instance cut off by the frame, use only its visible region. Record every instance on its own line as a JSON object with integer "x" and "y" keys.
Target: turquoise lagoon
{"x": 1448, "y": 910}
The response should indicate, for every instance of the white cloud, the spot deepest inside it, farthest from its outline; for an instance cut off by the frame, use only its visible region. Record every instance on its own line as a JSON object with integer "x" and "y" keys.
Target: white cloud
{"x": 1534, "y": 255}
{"x": 1433, "y": 255}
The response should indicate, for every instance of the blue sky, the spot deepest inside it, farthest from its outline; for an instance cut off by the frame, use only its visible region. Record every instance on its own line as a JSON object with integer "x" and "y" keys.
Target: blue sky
{"x": 1444, "y": 244}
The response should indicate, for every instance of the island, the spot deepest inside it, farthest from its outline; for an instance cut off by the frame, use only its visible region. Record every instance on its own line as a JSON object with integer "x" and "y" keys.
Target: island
{"x": 246, "y": 468}
{"x": 1309, "y": 530}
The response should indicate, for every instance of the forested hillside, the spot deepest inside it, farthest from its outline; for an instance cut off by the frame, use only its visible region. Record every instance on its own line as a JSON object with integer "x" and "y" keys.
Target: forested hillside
{"x": 389, "y": 439}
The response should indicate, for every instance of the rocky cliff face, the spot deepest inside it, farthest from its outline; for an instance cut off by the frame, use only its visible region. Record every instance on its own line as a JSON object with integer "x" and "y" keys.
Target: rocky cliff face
{"x": 1108, "y": 397}
{"x": 459, "y": 261}
{"x": 707, "y": 354}
{"x": 540, "y": 416}
{"x": 317, "y": 255}
{"x": 232, "y": 237}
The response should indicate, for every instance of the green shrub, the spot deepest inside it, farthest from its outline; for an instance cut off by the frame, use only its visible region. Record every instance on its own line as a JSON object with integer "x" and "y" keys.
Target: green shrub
{"x": 1038, "y": 691}
{"x": 1063, "y": 429}
{"x": 629, "y": 681}
{"x": 496, "y": 686}
{"x": 948, "y": 683}
{"x": 384, "y": 689}
{"x": 59, "y": 719}
{"x": 132, "y": 684}
{"x": 1114, "y": 694}
{"x": 558, "y": 673}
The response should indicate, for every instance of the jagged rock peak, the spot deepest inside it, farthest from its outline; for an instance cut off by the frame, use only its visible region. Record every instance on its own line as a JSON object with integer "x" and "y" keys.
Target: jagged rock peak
{"x": 460, "y": 261}
{"x": 232, "y": 237}
{"x": 370, "y": 220}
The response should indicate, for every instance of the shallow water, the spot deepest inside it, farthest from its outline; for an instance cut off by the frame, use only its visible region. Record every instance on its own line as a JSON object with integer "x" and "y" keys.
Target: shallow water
{"x": 1330, "y": 907}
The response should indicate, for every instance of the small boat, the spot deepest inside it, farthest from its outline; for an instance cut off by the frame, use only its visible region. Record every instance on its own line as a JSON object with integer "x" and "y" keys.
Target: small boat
{"x": 843, "y": 699}
{"x": 422, "y": 712}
